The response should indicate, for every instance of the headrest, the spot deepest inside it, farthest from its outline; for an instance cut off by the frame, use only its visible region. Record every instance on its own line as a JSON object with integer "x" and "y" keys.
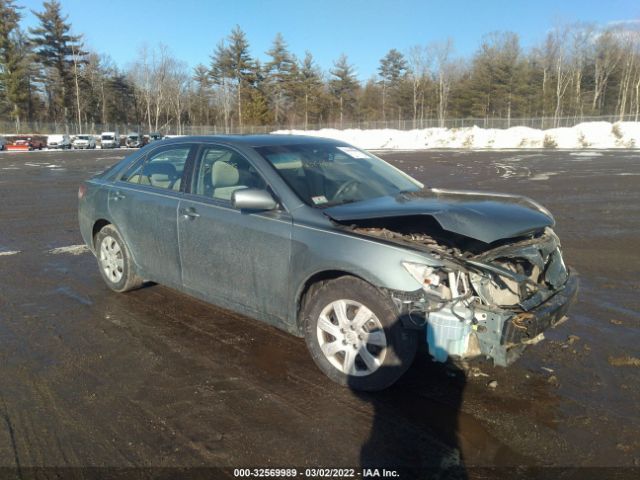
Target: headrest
{"x": 224, "y": 174}
{"x": 160, "y": 168}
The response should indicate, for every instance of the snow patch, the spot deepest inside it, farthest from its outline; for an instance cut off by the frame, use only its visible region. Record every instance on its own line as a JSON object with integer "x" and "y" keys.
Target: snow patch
{"x": 71, "y": 249}
{"x": 543, "y": 176}
{"x": 511, "y": 171}
{"x": 4, "y": 253}
{"x": 596, "y": 135}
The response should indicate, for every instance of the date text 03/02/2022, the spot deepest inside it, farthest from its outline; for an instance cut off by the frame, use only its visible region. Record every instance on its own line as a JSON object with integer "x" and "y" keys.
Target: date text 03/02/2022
{"x": 315, "y": 472}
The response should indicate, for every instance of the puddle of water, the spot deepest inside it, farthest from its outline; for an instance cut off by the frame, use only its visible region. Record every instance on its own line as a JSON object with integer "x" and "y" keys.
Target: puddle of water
{"x": 69, "y": 292}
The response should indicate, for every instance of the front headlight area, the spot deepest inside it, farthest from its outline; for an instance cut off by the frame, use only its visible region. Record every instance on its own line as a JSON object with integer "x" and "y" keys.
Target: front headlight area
{"x": 446, "y": 310}
{"x": 440, "y": 283}
{"x": 457, "y": 321}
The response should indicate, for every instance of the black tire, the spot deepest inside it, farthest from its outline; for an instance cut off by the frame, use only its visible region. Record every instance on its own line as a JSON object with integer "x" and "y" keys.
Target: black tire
{"x": 128, "y": 280}
{"x": 401, "y": 343}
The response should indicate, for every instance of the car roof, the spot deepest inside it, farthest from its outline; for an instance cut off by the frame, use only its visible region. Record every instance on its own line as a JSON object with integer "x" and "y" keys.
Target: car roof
{"x": 259, "y": 140}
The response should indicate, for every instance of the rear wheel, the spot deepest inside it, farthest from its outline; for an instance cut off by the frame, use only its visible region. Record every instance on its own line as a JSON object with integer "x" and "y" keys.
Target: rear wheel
{"x": 355, "y": 336}
{"x": 114, "y": 261}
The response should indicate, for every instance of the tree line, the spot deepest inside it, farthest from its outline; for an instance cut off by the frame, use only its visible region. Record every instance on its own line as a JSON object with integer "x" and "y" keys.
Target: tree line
{"x": 48, "y": 75}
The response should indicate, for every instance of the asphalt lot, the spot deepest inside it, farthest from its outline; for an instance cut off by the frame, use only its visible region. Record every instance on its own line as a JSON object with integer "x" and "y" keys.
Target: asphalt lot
{"x": 155, "y": 378}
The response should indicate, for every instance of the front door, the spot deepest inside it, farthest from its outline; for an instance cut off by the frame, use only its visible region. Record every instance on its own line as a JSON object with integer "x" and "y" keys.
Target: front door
{"x": 236, "y": 258}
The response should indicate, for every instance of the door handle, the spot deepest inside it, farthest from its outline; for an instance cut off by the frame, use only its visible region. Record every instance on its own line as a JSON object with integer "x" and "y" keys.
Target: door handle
{"x": 189, "y": 213}
{"x": 118, "y": 196}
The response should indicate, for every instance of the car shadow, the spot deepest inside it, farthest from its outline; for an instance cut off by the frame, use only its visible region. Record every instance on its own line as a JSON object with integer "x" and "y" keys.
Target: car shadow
{"x": 414, "y": 431}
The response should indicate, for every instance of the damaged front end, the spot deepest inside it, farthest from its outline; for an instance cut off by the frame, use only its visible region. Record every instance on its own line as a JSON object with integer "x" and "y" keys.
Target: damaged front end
{"x": 483, "y": 299}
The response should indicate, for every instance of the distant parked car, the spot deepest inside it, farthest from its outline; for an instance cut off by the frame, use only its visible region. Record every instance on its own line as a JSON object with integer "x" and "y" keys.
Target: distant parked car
{"x": 59, "y": 141}
{"x": 3, "y": 144}
{"x": 110, "y": 139}
{"x": 84, "y": 141}
{"x": 25, "y": 143}
{"x": 134, "y": 140}
{"x": 155, "y": 136}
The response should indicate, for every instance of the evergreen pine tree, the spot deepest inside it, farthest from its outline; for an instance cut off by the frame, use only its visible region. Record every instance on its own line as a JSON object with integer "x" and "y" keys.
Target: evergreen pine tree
{"x": 55, "y": 48}
{"x": 311, "y": 88}
{"x": 281, "y": 72}
{"x": 14, "y": 71}
{"x": 239, "y": 64}
{"x": 344, "y": 86}
{"x": 392, "y": 69}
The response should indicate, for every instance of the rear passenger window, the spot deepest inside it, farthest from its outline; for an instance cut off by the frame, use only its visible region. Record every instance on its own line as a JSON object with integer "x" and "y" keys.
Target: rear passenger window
{"x": 162, "y": 169}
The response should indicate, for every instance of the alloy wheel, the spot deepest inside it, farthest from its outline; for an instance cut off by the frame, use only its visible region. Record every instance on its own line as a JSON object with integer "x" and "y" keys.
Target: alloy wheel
{"x": 111, "y": 259}
{"x": 351, "y": 337}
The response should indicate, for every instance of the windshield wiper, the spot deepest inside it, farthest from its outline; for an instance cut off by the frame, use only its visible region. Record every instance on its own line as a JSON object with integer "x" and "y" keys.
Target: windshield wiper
{"x": 335, "y": 204}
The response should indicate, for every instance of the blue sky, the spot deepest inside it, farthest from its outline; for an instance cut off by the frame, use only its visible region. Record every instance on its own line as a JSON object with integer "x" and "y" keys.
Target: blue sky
{"x": 364, "y": 30}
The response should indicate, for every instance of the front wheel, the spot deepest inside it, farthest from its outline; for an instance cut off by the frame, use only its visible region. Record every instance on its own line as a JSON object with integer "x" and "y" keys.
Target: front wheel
{"x": 355, "y": 336}
{"x": 114, "y": 260}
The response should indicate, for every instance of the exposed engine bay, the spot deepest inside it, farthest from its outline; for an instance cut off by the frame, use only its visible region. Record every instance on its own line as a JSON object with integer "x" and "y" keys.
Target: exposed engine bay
{"x": 483, "y": 299}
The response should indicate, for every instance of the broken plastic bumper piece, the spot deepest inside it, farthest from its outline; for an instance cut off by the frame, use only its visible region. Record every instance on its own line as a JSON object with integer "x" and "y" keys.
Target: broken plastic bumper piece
{"x": 498, "y": 333}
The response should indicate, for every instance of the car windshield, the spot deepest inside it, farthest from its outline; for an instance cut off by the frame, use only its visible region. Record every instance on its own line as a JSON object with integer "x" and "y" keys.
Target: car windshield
{"x": 82, "y": 137}
{"x": 107, "y": 137}
{"x": 323, "y": 175}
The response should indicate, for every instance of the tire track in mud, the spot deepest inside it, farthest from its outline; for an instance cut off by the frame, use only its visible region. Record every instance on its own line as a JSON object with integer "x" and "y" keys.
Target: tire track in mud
{"x": 477, "y": 438}
{"x": 11, "y": 443}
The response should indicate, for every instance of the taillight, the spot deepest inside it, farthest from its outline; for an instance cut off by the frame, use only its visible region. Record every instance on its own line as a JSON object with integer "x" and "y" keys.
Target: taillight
{"x": 81, "y": 191}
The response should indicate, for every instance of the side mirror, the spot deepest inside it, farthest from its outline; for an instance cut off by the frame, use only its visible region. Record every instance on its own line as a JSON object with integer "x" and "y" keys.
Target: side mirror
{"x": 252, "y": 199}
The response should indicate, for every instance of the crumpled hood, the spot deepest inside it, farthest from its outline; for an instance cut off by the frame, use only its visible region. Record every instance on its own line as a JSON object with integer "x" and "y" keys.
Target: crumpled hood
{"x": 482, "y": 216}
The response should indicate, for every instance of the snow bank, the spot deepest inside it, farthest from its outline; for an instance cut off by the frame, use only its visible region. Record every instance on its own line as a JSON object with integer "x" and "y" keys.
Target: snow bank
{"x": 583, "y": 135}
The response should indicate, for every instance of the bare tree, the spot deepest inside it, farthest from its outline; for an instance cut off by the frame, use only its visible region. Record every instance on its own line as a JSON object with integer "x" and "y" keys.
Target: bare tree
{"x": 141, "y": 73}
{"x": 607, "y": 57}
{"x": 636, "y": 100}
{"x": 559, "y": 55}
{"x": 178, "y": 85}
{"x": 77, "y": 85}
{"x": 581, "y": 46}
{"x": 420, "y": 61}
{"x": 444, "y": 72}
{"x": 155, "y": 77}
{"x": 630, "y": 43}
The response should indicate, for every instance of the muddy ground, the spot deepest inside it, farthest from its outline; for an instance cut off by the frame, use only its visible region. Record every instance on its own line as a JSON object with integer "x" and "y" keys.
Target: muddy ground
{"x": 154, "y": 378}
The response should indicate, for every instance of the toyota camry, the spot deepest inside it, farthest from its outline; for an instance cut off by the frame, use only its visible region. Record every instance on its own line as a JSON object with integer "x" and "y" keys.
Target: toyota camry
{"x": 330, "y": 243}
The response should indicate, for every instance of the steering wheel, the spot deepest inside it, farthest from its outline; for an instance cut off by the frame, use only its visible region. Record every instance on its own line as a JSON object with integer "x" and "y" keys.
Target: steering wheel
{"x": 344, "y": 187}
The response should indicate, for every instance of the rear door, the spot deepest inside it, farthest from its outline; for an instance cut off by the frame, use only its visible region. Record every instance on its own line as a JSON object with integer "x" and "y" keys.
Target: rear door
{"x": 143, "y": 204}
{"x": 233, "y": 257}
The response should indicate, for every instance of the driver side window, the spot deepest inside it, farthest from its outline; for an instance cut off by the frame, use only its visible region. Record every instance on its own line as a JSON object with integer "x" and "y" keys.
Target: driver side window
{"x": 221, "y": 171}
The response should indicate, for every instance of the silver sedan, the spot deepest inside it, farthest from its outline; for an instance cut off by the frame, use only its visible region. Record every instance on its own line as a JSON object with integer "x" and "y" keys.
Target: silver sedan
{"x": 331, "y": 243}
